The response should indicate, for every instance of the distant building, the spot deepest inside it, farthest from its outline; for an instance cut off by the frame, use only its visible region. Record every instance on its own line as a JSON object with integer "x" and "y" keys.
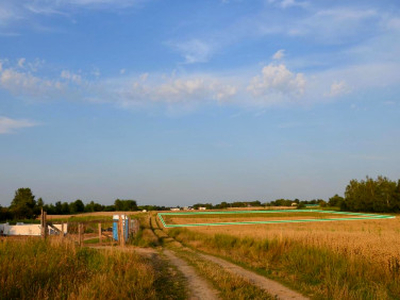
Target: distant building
{"x": 202, "y": 208}
{"x": 175, "y": 209}
{"x": 28, "y": 229}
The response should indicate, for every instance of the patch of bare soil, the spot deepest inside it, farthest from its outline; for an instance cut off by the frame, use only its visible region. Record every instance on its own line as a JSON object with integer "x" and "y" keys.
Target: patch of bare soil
{"x": 198, "y": 287}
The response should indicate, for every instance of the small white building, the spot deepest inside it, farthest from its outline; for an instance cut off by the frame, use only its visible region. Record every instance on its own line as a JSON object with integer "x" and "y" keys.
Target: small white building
{"x": 28, "y": 229}
{"x": 202, "y": 208}
{"x": 175, "y": 209}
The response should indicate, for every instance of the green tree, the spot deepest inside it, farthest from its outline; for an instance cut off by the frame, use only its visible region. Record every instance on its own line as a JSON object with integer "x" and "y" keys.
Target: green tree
{"x": 125, "y": 205}
{"x": 76, "y": 207}
{"x": 23, "y": 204}
{"x": 38, "y": 207}
{"x": 335, "y": 201}
{"x": 371, "y": 195}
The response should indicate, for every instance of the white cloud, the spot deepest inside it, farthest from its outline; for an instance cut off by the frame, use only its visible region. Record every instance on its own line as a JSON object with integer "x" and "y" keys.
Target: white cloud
{"x": 12, "y": 11}
{"x": 144, "y": 76}
{"x": 337, "y": 25}
{"x": 75, "y": 78}
{"x": 289, "y": 3}
{"x": 194, "y": 51}
{"x": 279, "y": 54}
{"x": 338, "y": 89}
{"x": 174, "y": 90}
{"x": 25, "y": 83}
{"x": 21, "y": 62}
{"x": 277, "y": 79}
{"x": 393, "y": 23}
{"x": 8, "y": 125}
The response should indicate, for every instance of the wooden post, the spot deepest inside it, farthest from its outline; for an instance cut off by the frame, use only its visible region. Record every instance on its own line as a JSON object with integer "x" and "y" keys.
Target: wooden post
{"x": 80, "y": 233}
{"x": 62, "y": 230}
{"x": 41, "y": 223}
{"x": 100, "y": 233}
{"x": 43, "y": 229}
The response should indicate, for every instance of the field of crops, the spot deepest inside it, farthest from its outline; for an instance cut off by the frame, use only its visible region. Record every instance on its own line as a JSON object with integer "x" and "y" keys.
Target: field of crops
{"x": 217, "y": 218}
{"x": 357, "y": 259}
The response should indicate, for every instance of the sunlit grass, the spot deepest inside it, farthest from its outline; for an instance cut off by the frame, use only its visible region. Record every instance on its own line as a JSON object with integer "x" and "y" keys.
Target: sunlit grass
{"x": 329, "y": 268}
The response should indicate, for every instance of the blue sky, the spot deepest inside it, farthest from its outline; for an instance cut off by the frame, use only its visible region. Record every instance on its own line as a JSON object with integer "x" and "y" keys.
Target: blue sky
{"x": 178, "y": 102}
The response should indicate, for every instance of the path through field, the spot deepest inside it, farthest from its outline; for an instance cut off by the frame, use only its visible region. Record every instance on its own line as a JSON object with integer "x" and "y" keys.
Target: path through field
{"x": 272, "y": 287}
{"x": 277, "y": 290}
{"x": 199, "y": 289}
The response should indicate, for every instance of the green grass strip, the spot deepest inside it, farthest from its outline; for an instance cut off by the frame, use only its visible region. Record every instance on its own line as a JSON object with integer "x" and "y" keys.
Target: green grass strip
{"x": 360, "y": 216}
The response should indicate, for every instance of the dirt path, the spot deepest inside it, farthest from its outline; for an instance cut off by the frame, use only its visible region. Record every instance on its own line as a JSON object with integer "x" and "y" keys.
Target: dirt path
{"x": 198, "y": 287}
{"x": 272, "y": 287}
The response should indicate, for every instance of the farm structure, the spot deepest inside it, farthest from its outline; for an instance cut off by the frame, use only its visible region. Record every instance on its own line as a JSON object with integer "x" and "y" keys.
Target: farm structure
{"x": 119, "y": 229}
{"x": 31, "y": 229}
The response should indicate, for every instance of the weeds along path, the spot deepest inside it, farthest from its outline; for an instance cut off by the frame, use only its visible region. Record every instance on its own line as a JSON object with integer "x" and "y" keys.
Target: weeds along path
{"x": 273, "y": 288}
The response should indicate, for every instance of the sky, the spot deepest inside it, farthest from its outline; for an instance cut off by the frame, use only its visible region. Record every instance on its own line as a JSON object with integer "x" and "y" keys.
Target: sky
{"x": 179, "y": 102}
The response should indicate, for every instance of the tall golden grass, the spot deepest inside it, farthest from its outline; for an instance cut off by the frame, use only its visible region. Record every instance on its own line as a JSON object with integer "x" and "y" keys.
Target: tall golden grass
{"x": 333, "y": 260}
{"x": 53, "y": 269}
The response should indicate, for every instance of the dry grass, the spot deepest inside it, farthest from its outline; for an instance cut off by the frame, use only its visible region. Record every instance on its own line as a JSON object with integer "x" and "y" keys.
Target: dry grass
{"x": 333, "y": 260}
{"x": 377, "y": 241}
{"x": 243, "y": 217}
{"x": 54, "y": 269}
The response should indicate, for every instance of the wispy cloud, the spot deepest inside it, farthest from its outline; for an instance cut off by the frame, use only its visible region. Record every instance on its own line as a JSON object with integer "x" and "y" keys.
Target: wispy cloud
{"x": 194, "y": 50}
{"x": 8, "y": 125}
{"x": 24, "y": 11}
{"x": 280, "y": 54}
{"x": 25, "y": 83}
{"x": 277, "y": 84}
{"x": 289, "y": 3}
{"x": 338, "y": 89}
{"x": 337, "y": 25}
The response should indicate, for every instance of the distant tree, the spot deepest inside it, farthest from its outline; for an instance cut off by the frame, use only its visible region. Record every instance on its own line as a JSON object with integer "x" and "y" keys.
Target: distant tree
{"x": 377, "y": 195}
{"x": 109, "y": 208}
{"x": 58, "y": 209}
{"x": 40, "y": 203}
{"x": 76, "y": 207}
{"x": 23, "y": 204}
{"x": 335, "y": 201}
{"x": 65, "y": 208}
{"x": 301, "y": 205}
{"x": 50, "y": 209}
{"x": 125, "y": 205}
{"x": 255, "y": 203}
{"x": 39, "y": 206}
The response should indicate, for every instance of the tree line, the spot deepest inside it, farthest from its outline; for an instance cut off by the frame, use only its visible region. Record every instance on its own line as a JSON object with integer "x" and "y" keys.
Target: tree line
{"x": 25, "y": 206}
{"x": 369, "y": 195}
{"x": 372, "y": 195}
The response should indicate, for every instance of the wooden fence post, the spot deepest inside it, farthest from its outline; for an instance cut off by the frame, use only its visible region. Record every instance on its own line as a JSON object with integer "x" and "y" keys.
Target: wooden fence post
{"x": 100, "y": 233}
{"x": 43, "y": 229}
{"x": 80, "y": 233}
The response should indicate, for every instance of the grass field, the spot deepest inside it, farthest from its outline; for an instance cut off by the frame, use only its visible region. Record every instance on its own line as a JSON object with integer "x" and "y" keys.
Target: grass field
{"x": 357, "y": 259}
{"x": 220, "y": 218}
{"x": 34, "y": 269}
